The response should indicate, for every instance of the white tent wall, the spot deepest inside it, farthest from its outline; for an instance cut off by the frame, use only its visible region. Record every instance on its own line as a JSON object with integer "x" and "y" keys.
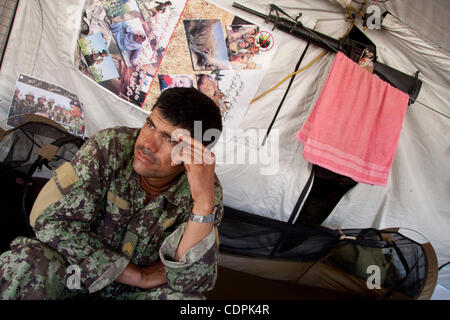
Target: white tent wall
{"x": 43, "y": 42}
{"x": 430, "y": 18}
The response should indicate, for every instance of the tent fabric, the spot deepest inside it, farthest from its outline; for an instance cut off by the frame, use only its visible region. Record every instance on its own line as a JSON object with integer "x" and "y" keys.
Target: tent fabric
{"x": 43, "y": 41}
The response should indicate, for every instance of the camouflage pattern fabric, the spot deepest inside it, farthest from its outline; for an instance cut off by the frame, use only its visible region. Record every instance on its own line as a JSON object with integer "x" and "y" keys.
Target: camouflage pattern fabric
{"x": 88, "y": 226}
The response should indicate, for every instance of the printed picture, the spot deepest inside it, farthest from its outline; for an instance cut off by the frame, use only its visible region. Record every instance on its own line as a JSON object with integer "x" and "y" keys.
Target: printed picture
{"x": 139, "y": 83}
{"x": 160, "y": 21}
{"x": 175, "y": 80}
{"x": 121, "y": 10}
{"x": 209, "y": 85}
{"x": 152, "y": 8}
{"x": 34, "y": 96}
{"x": 131, "y": 40}
{"x": 98, "y": 58}
{"x": 242, "y": 46}
{"x": 241, "y": 38}
{"x": 206, "y": 44}
{"x": 231, "y": 90}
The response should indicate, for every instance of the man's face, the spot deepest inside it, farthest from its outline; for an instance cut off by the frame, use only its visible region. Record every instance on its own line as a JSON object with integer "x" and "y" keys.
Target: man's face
{"x": 139, "y": 38}
{"x": 75, "y": 111}
{"x": 208, "y": 87}
{"x": 153, "y": 148}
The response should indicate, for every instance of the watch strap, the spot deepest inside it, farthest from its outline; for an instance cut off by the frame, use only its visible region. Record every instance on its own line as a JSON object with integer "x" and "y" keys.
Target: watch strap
{"x": 210, "y": 218}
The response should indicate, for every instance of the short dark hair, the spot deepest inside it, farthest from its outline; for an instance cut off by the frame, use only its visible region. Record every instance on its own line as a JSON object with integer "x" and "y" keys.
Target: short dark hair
{"x": 182, "y": 106}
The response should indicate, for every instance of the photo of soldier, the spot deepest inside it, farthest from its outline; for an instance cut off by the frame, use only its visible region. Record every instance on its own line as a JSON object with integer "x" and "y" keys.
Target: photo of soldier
{"x": 24, "y": 106}
{"x": 40, "y": 107}
{"x": 76, "y": 122}
{"x": 47, "y": 100}
{"x": 15, "y": 106}
{"x": 50, "y": 109}
{"x": 58, "y": 114}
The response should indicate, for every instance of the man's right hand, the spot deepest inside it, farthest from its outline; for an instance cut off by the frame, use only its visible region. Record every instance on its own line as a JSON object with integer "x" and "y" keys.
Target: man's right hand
{"x": 144, "y": 277}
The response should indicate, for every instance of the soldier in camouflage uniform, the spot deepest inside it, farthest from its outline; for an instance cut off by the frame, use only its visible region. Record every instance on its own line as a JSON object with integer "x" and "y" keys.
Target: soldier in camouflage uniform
{"x": 58, "y": 114}
{"x": 132, "y": 213}
{"x": 77, "y": 123}
{"x": 51, "y": 109}
{"x": 25, "y": 106}
{"x": 40, "y": 106}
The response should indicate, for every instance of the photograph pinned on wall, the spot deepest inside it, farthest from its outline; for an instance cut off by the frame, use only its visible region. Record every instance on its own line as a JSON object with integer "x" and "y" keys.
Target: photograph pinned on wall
{"x": 139, "y": 83}
{"x": 242, "y": 47}
{"x": 152, "y": 8}
{"x": 34, "y": 96}
{"x": 97, "y": 57}
{"x": 132, "y": 41}
{"x": 241, "y": 38}
{"x": 121, "y": 10}
{"x": 158, "y": 23}
{"x": 175, "y": 81}
{"x": 206, "y": 44}
{"x": 231, "y": 90}
{"x": 138, "y": 65}
{"x": 209, "y": 85}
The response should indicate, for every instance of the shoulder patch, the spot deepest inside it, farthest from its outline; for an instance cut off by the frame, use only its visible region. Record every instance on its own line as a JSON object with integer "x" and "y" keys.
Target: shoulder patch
{"x": 49, "y": 194}
{"x": 129, "y": 244}
{"x": 118, "y": 201}
{"x": 66, "y": 175}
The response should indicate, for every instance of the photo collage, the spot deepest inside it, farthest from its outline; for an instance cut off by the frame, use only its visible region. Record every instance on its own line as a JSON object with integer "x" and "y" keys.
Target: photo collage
{"x": 210, "y": 49}
{"x": 226, "y": 57}
{"x": 122, "y": 43}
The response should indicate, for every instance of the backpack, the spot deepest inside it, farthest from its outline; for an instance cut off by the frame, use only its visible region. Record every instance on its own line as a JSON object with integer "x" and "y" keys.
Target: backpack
{"x": 28, "y": 154}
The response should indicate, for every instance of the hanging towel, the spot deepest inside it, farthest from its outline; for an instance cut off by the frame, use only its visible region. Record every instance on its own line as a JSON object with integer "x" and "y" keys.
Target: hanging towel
{"x": 355, "y": 125}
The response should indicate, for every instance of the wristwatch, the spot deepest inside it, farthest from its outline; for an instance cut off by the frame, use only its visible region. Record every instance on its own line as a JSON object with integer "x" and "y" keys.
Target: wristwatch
{"x": 210, "y": 218}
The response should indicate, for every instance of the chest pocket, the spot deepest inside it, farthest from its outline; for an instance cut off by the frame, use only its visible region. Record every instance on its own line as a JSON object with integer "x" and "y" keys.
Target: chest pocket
{"x": 116, "y": 214}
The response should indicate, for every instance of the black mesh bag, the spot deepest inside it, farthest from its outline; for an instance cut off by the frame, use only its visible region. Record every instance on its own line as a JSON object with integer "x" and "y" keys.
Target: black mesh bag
{"x": 380, "y": 264}
{"x": 24, "y": 151}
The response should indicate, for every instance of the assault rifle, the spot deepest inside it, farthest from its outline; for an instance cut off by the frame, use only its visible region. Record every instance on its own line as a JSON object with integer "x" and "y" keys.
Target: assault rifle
{"x": 351, "y": 48}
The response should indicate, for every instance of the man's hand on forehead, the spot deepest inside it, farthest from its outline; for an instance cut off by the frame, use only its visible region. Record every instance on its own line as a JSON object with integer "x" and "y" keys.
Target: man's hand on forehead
{"x": 199, "y": 162}
{"x": 190, "y": 151}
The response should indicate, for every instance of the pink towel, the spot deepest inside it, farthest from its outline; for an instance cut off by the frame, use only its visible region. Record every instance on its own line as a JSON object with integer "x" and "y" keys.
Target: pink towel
{"x": 355, "y": 125}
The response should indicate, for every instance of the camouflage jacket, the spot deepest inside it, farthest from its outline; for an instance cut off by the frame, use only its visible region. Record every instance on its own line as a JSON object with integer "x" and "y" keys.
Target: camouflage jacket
{"x": 98, "y": 221}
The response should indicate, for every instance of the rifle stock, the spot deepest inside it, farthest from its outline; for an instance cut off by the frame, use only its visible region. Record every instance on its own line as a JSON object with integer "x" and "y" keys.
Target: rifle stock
{"x": 353, "y": 49}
